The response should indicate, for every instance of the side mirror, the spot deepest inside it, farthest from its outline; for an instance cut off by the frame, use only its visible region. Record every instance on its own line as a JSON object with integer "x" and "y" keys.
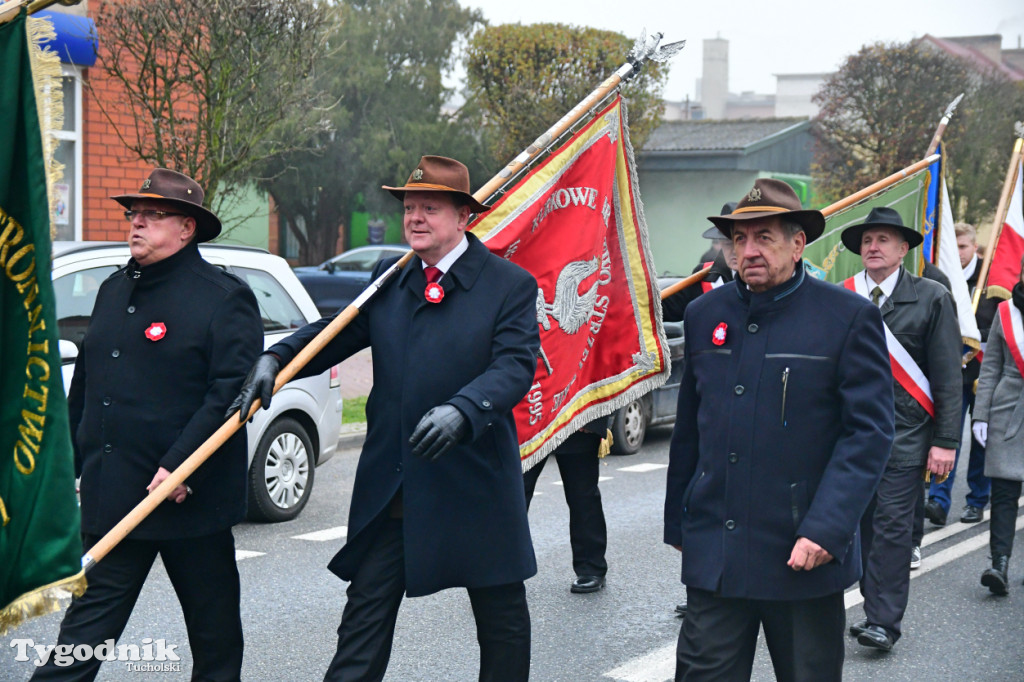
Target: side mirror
{"x": 68, "y": 352}
{"x": 329, "y": 266}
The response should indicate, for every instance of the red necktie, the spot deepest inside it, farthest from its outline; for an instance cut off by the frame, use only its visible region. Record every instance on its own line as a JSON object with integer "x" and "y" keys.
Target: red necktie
{"x": 433, "y": 274}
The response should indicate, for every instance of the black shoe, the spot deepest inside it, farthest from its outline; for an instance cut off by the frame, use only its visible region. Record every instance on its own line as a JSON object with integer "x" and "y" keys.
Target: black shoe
{"x": 858, "y": 627}
{"x": 934, "y": 512}
{"x": 587, "y": 583}
{"x": 876, "y": 637}
{"x": 995, "y": 578}
{"x": 972, "y": 514}
{"x": 680, "y": 609}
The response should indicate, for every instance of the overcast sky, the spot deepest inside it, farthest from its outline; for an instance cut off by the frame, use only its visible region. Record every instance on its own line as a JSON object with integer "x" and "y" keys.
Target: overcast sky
{"x": 766, "y": 37}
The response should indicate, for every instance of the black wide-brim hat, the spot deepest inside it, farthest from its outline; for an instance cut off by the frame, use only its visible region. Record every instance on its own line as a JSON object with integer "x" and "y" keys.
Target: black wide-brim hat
{"x": 714, "y": 232}
{"x": 439, "y": 174}
{"x": 880, "y": 216}
{"x": 771, "y": 198}
{"x": 178, "y": 188}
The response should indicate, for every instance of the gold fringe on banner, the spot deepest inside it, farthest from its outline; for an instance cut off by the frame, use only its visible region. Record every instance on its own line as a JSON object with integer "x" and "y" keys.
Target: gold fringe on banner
{"x": 41, "y": 601}
{"x": 46, "y": 77}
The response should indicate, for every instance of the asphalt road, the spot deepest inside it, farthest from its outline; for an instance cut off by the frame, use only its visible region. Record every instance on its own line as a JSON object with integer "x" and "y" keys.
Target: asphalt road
{"x": 954, "y": 630}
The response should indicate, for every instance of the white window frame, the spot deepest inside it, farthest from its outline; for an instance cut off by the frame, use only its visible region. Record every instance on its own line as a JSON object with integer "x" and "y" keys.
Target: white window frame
{"x": 74, "y": 135}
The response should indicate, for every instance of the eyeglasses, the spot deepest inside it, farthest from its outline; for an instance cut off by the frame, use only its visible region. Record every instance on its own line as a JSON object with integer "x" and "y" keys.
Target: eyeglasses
{"x": 150, "y": 215}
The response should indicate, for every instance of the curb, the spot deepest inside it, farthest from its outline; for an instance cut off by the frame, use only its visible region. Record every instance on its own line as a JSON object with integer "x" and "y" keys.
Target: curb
{"x": 352, "y": 436}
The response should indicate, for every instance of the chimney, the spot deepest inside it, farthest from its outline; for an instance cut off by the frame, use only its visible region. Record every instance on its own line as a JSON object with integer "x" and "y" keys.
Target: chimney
{"x": 714, "y": 83}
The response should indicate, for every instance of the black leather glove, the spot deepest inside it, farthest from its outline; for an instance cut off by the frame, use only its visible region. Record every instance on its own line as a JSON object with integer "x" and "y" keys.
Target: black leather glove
{"x": 438, "y": 432}
{"x": 259, "y": 383}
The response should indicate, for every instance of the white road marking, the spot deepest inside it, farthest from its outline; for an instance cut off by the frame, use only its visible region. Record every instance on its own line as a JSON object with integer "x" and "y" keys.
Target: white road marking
{"x": 930, "y": 563}
{"x": 246, "y": 554}
{"x": 599, "y": 479}
{"x": 324, "y": 535}
{"x": 657, "y": 666}
{"x": 660, "y": 664}
{"x": 643, "y": 468}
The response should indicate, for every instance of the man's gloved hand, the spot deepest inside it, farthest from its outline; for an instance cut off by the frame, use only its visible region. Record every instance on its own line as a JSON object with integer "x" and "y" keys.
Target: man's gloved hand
{"x": 438, "y": 432}
{"x": 980, "y": 431}
{"x": 259, "y": 384}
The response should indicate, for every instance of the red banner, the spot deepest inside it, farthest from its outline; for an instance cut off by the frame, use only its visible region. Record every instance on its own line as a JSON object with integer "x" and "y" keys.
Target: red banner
{"x": 576, "y": 224}
{"x": 1005, "y": 269}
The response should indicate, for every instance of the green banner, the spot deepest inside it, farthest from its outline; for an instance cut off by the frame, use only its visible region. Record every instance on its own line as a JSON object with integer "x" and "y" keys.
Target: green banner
{"x": 827, "y": 258}
{"x": 40, "y": 544}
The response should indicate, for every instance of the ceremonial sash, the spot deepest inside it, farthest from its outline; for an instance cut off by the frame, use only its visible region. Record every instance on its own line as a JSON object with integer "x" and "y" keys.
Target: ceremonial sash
{"x": 707, "y": 286}
{"x": 904, "y": 370}
{"x": 1013, "y": 330}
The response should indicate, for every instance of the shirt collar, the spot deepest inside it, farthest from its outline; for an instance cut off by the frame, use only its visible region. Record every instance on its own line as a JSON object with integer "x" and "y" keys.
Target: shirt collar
{"x": 449, "y": 258}
{"x": 971, "y": 267}
{"x": 887, "y": 285}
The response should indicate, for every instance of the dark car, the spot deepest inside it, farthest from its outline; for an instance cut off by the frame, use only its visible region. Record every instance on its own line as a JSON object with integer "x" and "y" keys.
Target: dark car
{"x": 630, "y": 422}
{"x": 337, "y": 282}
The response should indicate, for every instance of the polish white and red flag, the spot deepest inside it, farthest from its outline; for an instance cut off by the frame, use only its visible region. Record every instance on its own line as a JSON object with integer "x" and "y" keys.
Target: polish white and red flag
{"x": 1009, "y": 249}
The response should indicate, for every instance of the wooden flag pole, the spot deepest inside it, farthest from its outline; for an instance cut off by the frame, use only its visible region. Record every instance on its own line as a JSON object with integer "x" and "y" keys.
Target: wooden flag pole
{"x": 645, "y": 49}
{"x": 10, "y": 9}
{"x": 642, "y": 51}
{"x": 683, "y": 283}
{"x": 877, "y": 187}
{"x": 932, "y": 148}
{"x": 997, "y": 225}
{"x": 937, "y": 138}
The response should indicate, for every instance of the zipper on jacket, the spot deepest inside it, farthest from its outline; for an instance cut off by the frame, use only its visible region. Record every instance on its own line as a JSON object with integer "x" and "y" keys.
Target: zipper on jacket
{"x": 785, "y": 385}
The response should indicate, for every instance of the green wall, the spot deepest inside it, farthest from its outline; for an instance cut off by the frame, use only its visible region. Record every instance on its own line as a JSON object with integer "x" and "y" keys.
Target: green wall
{"x": 245, "y": 217}
{"x": 677, "y": 203}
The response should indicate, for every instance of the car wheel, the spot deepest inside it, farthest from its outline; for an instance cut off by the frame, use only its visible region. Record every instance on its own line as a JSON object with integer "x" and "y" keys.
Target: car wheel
{"x": 281, "y": 474}
{"x": 628, "y": 428}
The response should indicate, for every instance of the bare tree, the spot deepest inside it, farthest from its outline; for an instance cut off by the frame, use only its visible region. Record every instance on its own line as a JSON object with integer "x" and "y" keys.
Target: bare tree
{"x": 205, "y": 86}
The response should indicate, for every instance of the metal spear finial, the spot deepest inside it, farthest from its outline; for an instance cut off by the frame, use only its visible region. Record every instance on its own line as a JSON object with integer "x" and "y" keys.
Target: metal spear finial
{"x": 953, "y": 105}
{"x": 646, "y": 48}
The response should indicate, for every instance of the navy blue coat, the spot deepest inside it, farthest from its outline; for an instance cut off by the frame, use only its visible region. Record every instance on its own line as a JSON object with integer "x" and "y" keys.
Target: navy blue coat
{"x": 464, "y": 521}
{"x": 136, "y": 405}
{"x": 782, "y": 432}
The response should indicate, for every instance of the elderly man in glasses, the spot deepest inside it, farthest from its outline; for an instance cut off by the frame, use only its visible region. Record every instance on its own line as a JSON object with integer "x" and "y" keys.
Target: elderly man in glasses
{"x": 169, "y": 343}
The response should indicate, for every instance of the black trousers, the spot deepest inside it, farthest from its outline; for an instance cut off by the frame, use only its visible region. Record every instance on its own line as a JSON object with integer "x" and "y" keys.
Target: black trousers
{"x": 886, "y": 531}
{"x": 204, "y": 575}
{"x": 1005, "y": 496}
{"x": 580, "y": 467}
{"x": 367, "y": 627}
{"x": 718, "y": 638}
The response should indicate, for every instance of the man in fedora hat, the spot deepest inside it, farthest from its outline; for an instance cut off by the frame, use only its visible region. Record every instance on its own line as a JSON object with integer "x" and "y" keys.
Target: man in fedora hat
{"x": 723, "y": 270}
{"x": 923, "y": 340}
{"x": 168, "y": 345}
{"x": 438, "y": 499}
{"x": 781, "y": 435}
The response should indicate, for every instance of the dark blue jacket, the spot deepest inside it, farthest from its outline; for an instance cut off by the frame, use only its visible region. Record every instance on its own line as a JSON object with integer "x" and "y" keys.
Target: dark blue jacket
{"x": 464, "y": 517}
{"x": 782, "y": 431}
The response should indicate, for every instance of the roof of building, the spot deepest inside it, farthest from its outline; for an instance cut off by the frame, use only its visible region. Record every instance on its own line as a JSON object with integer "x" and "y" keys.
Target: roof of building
{"x": 975, "y": 57}
{"x": 721, "y": 135}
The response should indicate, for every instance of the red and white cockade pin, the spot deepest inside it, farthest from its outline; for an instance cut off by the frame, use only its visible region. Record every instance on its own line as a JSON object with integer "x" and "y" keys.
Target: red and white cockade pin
{"x": 433, "y": 293}
{"x": 718, "y": 336}
{"x": 156, "y": 331}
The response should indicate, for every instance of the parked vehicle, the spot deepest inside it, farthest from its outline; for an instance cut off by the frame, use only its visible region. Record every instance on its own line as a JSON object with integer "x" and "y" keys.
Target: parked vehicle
{"x": 337, "y": 282}
{"x": 630, "y": 422}
{"x": 300, "y": 430}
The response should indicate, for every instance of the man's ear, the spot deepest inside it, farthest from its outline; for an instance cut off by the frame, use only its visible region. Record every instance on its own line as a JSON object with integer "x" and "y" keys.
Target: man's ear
{"x": 188, "y": 229}
{"x": 800, "y": 241}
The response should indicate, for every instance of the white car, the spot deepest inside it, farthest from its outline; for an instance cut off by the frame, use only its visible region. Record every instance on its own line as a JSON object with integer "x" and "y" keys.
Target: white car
{"x": 300, "y": 430}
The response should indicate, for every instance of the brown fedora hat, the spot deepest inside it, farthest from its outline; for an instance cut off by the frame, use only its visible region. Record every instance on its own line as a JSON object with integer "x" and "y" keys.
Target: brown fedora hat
{"x": 772, "y": 198}
{"x": 880, "y": 216}
{"x": 167, "y": 185}
{"x": 439, "y": 174}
